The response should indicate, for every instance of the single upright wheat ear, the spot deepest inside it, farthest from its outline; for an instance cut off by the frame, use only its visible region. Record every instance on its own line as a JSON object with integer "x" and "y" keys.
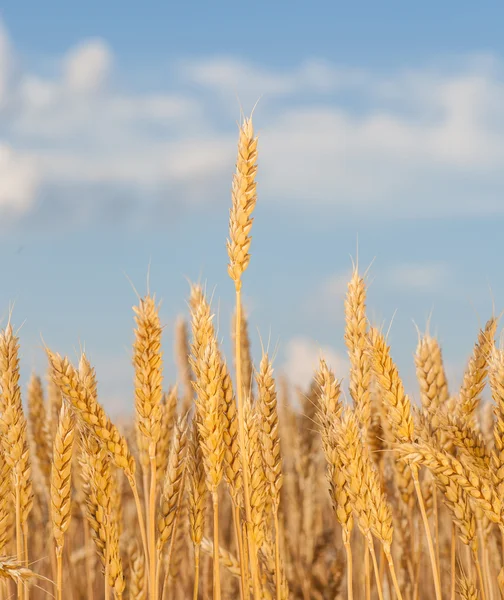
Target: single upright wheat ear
{"x": 138, "y": 579}
{"x": 172, "y": 485}
{"x": 272, "y": 458}
{"x": 356, "y": 341}
{"x": 209, "y": 408}
{"x": 496, "y": 376}
{"x": 54, "y": 401}
{"x": 148, "y": 363}
{"x": 244, "y": 197}
{"x": 232, "y": 458}
{"x": 61, "y": 486}
{"x": 198, "y": 495}
{"x": 476, "y": 372}
{"x": 258, "y": 484}
{"x": 431, "y": 374}
{"x": 467, "y": 588}
{"x": 13, "y": 438}
{"x": 99, "y": 482}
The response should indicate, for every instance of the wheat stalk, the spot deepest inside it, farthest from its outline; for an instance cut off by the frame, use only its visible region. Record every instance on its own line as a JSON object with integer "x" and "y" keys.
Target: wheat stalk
{"x": 61, "y": 487}
{"x": 14, "y": 439}
{"x": 476, "y": 372}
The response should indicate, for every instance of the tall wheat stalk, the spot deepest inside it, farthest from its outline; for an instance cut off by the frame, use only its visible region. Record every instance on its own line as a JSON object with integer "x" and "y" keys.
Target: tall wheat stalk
{"x": 148, "y": 363}
{"x": 244, "y": 199}
{"x": 13, "y": 429}
{"x": 61, "y": 486}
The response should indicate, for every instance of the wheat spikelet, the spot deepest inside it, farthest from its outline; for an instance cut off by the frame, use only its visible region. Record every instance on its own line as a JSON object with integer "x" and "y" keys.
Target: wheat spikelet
{"x": 476, "y": 371}
{"x": 198, "y": 493}
{"x": 172, "y": 485}
{"x": 10, "y": 568}
{"x": 336, "y": 479}
{"x": 496, "y": 376}
{"x": 13, "y": 427}
{"x": 258, "y": 488}
{"x": 87, "y": 375}
{"x": 356, "y": 342}
{"x": 168, "y": 419}
{"x": 329, "y": 405}
{"x": 148, "y": 363}
{"x": 98, "y": 484}
{"x": 244, "y": 197}
{"x": 269, "y": 434}
{"x": 431, "y": 374}
{"x": 202, "y": 327}
{"x": 61, "y": 483}
{"x": 232, "y": 457}
{"x": 361, "y": 481}
{"x": 397, "y": 406}
{"x": 209, "y": 391}
{"x": 138, "y": 579}
{"x": 39, "y": 425}
{"x": 90, "y": 412}
{"x": 470, "y": 443}
{"x": 397, "y": 402}
{"x": 447, "y": 469}
{"x": 329, "y": 411}
{"x": 467, "y": 588}
{"x": 54, "y": 401}
{"x": 96, "y": 474}
{"x": 227, "y": 560}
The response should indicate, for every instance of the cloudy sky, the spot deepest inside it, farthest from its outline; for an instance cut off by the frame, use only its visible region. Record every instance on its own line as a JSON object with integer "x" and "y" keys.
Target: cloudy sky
{"x": 380, "y": 127}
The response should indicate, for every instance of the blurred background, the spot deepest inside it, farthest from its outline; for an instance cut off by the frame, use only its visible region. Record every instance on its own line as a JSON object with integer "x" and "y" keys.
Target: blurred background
{"x": 381, "y": 128}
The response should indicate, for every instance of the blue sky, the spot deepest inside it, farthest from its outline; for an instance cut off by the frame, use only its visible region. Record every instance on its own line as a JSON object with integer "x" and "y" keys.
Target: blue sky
{"x": 382, "y": 124}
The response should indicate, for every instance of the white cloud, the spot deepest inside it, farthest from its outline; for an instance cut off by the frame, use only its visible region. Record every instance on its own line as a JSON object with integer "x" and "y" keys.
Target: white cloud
{"x": 424, "y": 143}
{"x": 88, "y": 66}
{"x": 302, "y": 357}
{"x": 18, "y": 181}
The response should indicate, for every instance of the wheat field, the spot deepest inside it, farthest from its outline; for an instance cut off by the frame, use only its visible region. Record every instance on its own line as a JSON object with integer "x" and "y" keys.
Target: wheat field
{"x": 232, "y": 484}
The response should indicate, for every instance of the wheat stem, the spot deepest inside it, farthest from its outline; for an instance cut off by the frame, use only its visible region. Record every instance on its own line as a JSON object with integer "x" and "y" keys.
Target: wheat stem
{"x": 239, "y": 543}
{"x": 393, "y": 573}
{"x": 375, "y": 567}
{"x": 348, "y": 550}
{"x": 152, "y": 527}
{"x": 141, "y": 521}
{"x": 428, "y": 535}
{"x": 453, "y": 559}
{"x": 241, "y": 427}
{"x": 19, "y": 535}
{"x": 197, "y": 551}
{"x": 59, "y": 573}
{"x": 216, "y": 564}
{"x": 89, "y": 564}
{"x": 481, "y": 582}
